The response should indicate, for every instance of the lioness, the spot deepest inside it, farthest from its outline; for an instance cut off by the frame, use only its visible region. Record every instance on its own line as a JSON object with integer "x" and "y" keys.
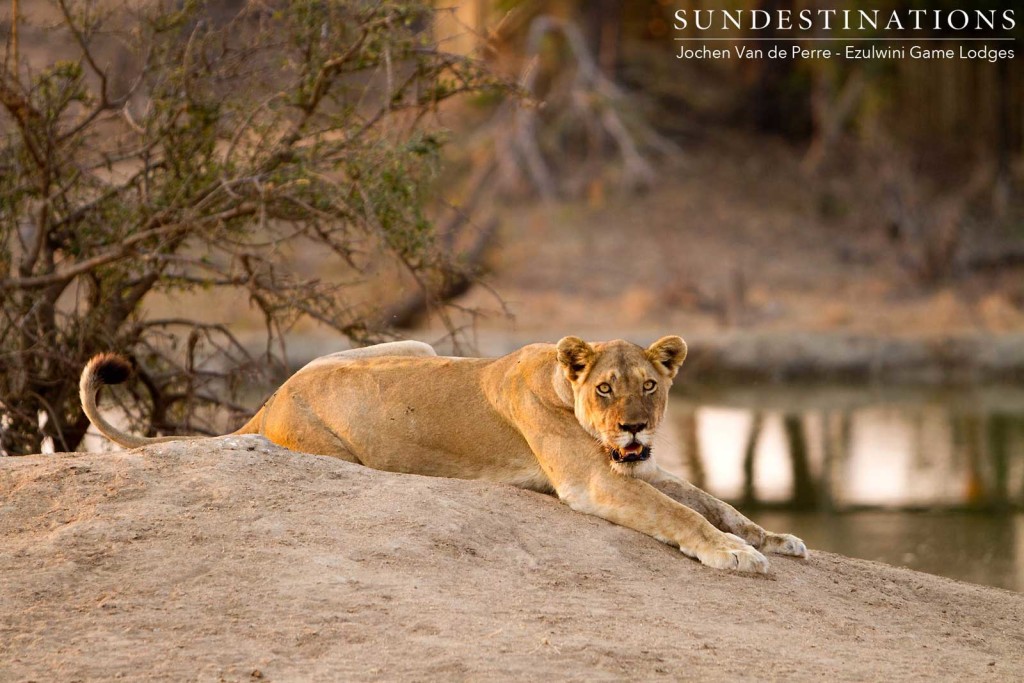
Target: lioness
{"x": 574, "y": 418}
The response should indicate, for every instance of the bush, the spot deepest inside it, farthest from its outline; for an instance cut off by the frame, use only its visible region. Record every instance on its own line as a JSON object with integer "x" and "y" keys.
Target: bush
{"x": 214, "y": 145}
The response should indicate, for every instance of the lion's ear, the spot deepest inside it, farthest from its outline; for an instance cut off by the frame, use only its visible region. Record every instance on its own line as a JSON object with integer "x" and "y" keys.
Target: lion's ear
{"x": 575, "y": 356}
{"x": 668, "y": 353}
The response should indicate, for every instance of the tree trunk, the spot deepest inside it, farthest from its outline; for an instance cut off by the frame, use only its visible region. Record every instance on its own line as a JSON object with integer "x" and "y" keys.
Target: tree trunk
{"x": 604, "y": 33}
{"x": 778, "y": 103}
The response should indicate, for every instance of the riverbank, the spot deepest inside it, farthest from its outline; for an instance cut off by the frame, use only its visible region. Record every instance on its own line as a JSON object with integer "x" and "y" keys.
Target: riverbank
{"x": 740, "y": 356}
{"x": 794, "y": 357}
{"x": 232, "y": 558}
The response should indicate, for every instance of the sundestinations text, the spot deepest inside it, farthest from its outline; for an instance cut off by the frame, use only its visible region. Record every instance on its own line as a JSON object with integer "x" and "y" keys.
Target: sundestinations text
{"x": 847, "y": 20}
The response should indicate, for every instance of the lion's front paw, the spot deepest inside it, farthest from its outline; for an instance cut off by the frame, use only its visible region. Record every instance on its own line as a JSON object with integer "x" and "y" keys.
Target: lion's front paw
{"x": 751, "y": 534}
{"x": 784, "y": 544}
{"x": 735, "y": 555}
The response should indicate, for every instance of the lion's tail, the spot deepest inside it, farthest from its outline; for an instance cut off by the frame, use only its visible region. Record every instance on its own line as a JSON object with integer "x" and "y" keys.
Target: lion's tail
{"x": 104, "y": 369}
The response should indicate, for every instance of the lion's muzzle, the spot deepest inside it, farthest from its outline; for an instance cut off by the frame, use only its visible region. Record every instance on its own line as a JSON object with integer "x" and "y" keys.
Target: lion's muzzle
{"x": 634, "y": 452}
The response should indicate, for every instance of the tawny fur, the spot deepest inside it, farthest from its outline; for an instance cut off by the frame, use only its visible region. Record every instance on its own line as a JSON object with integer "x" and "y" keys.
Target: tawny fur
{"x": 547, "y": 417}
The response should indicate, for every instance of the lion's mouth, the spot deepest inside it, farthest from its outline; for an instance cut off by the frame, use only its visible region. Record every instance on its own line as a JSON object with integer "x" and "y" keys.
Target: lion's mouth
{"x": 634, "y": 452}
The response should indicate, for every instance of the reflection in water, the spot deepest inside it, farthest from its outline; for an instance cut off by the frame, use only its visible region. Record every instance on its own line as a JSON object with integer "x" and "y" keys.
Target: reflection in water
{"x": 820, "y": 459}
{"x": 986, "y": 549}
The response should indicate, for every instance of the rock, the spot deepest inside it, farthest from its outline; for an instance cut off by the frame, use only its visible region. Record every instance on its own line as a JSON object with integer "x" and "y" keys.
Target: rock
{"x": 233, "y": 558}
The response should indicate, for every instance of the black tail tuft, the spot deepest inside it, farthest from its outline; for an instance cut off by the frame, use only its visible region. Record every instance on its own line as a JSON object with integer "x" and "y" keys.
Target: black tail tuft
{"x": 110, "y": 368}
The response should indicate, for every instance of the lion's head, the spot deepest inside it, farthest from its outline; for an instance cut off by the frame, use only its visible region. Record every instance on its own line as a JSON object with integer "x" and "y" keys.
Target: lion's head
{"x": 620, "y": 390}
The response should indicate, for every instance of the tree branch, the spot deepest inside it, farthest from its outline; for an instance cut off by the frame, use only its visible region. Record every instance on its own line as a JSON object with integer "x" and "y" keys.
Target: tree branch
{"x": 124, "y": 249}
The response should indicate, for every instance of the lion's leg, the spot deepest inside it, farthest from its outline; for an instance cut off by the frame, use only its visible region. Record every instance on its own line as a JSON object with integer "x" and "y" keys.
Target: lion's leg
{"x": 581, "y": 475}
{"x": 726, "y": 517}
{"x": 636, "y": 504}
{"x": 288, "y": 420}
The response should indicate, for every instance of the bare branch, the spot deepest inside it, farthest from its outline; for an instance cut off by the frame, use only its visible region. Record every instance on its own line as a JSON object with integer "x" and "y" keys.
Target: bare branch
{"x": 122, "y": 250}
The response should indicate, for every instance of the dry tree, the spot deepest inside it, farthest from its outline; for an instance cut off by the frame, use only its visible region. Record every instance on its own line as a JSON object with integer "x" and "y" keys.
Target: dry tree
{"x": 184, "y": 147}
{"x": 572, "y": 125}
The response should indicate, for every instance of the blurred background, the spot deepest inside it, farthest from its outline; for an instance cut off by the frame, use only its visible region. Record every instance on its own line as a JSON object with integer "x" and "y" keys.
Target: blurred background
{"x": 840, "y": 242}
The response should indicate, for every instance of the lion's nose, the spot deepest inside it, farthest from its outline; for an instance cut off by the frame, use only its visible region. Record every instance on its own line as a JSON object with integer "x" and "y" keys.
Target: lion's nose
{"x": 633, "y": 428}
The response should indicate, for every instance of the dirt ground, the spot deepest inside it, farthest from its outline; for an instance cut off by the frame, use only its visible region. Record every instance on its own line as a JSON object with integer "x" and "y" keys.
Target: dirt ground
{"x": 736, "y": 236}
{"x": 236, "y": 560}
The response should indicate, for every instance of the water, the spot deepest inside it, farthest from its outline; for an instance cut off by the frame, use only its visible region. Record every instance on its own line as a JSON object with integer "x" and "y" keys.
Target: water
{"x": 924, "y": 478}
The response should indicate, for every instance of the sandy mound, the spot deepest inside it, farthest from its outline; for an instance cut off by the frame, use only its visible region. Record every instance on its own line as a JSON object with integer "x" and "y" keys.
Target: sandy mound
{"x": 234, "y": 559}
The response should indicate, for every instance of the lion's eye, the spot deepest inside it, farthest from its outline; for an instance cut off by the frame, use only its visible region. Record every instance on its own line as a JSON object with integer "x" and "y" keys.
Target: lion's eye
{"x": 649, "y": 385}
{"x": 604, "y": 389}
